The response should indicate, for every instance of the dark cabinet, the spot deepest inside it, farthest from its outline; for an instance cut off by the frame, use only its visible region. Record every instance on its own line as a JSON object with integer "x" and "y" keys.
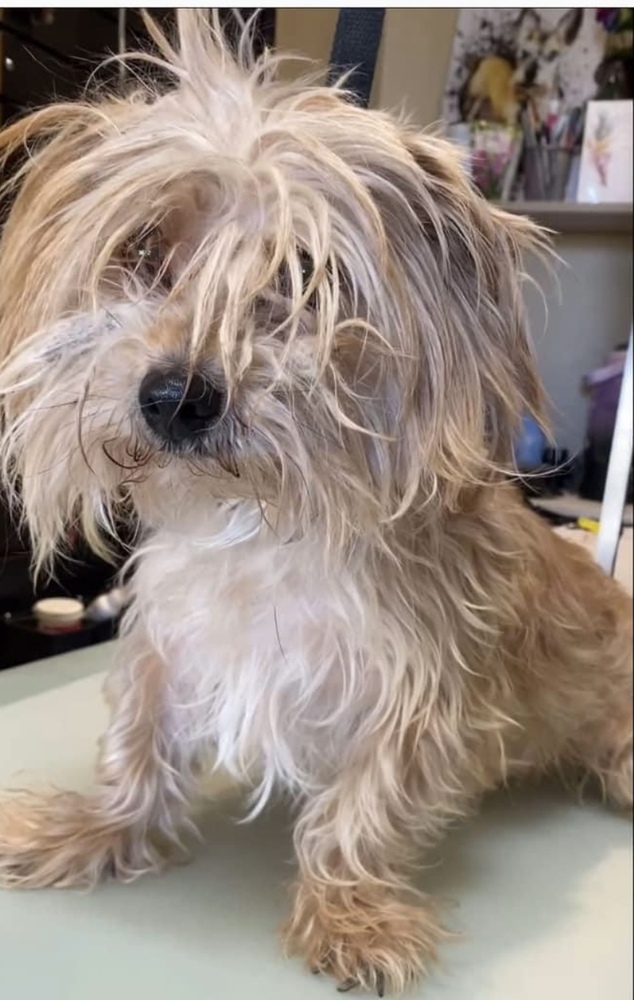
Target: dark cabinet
{"x": 49, "y": 52}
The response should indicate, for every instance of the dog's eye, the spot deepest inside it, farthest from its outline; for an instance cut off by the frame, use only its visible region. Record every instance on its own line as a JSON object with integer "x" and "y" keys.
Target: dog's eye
{"x": 148, "y": 252}
{"x": 144, "y": 256}
{"x": 307, "y": 268}
{"x": 307, "y": 271}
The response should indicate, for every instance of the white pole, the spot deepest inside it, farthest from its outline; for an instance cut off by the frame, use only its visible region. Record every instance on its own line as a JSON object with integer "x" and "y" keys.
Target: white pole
{"x": 618, "y": 473}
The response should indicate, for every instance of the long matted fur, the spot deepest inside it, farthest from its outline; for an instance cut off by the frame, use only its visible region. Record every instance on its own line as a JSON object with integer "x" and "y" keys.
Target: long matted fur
{"x": 336, "y": 590}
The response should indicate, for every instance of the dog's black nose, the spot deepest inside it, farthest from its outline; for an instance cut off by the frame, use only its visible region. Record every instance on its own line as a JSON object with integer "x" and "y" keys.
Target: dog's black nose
{"x": 179, "y": 408}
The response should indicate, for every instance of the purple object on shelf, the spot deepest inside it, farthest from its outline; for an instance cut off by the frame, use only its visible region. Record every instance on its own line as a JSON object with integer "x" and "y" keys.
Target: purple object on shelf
{"x": 604, "y": 387}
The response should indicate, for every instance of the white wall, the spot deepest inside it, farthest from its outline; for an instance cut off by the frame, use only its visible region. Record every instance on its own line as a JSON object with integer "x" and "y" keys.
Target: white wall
{"x": 588, "y": 315}
{"x": 594, "y": 311}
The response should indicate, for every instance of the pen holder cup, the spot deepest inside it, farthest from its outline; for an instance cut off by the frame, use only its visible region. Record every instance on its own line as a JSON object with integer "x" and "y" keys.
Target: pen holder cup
{"x": 546, "y": 173}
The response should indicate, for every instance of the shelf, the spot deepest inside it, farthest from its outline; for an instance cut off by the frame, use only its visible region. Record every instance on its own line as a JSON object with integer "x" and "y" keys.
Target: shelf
{"x": 573, "y": 217}
{"x": 572, "y": 506}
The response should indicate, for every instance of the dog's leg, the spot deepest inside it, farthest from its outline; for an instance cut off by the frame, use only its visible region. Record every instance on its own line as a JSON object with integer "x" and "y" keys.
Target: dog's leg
{"x": 354, "y": 915}
{"x": 599, "y": 690}
{"x": 592, "y": 703}
{"x": 613, "y": 757}
{"x": 617, "y": 771}
{"x": 143, "y": 785}
{"x": 605, "y": 747}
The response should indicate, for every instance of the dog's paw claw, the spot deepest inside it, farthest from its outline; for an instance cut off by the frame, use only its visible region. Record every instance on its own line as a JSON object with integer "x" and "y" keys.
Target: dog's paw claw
{"x": 347, "y": 985}
{"x": 350, "y": 984}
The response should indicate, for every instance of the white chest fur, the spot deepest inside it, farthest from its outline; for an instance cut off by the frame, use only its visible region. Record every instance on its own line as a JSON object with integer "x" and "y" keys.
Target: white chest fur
{"x": 268, "y": 650}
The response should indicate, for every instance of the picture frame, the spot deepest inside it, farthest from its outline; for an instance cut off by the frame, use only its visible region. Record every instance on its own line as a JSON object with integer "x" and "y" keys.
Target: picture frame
{"x": 605, "y": 171}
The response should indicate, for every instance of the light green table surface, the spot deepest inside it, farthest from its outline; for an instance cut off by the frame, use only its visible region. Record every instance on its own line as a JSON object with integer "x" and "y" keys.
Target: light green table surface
{"x": 543, "y": 889}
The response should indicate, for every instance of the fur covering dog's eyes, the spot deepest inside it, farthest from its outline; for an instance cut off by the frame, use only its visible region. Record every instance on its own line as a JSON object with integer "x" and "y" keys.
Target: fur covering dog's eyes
{"x": 307, "y": 268}
{"x": 307, "y": 273}
{"x": 144, "y": 256}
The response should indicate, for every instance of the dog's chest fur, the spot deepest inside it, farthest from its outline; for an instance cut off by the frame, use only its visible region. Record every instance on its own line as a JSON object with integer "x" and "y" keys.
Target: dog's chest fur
{"x": 269, "y": 650}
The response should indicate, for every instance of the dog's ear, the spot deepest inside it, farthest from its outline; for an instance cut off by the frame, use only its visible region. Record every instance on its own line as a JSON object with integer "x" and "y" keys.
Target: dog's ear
{"x": 527, "y": 25}
{"x": 39, "y": 162}
{"x": 528, "y": 19}
{"x": 568, "y": 26}
{"x": 461, "y": 267}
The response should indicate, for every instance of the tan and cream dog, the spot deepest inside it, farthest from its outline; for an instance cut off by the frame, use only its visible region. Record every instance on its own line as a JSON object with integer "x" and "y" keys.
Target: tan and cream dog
{"x": 286, "y": 334}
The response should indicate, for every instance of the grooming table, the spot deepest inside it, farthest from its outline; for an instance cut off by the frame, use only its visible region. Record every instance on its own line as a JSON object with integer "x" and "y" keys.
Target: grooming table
{"x": 543, "y": 888}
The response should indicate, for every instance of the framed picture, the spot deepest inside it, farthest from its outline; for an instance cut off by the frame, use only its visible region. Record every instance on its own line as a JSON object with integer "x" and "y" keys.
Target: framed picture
{"x": 605, "y": 172}
{"x": 506, "y": 56}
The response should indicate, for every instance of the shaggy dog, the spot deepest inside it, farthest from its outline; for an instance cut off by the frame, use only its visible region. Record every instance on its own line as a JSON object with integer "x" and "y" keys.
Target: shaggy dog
{"x": 286, "y": 335}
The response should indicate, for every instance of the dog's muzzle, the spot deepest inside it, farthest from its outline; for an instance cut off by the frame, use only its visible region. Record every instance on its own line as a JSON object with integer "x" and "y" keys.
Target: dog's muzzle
{"x": 179, "y": 409}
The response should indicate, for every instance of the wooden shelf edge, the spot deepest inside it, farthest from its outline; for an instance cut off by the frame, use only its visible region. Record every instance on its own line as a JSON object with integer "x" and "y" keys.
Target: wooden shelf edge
{"x": 575, "y": 217}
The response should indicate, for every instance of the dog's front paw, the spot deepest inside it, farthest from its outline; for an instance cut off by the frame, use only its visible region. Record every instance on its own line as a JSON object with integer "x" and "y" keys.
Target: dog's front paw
{"x": 362, "y": 939}
{"x": 62, "y": 840}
